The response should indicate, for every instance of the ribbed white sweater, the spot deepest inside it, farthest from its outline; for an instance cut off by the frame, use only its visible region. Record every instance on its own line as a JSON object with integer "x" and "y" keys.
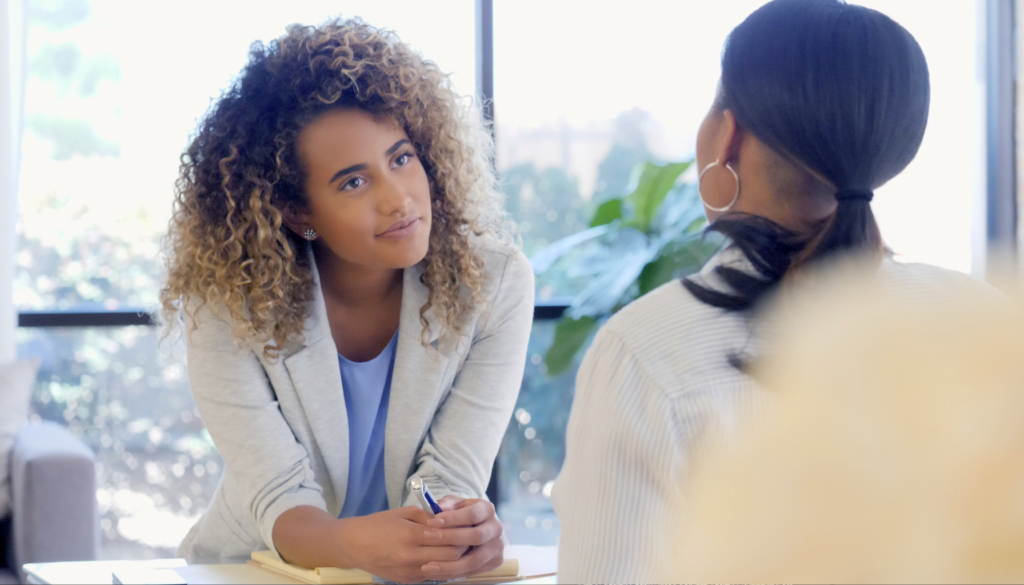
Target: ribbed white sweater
{"x": 654, "y": 388}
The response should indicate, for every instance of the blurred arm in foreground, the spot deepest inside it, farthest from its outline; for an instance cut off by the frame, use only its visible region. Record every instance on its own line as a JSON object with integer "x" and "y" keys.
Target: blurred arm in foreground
{"x": 895, "y": 453}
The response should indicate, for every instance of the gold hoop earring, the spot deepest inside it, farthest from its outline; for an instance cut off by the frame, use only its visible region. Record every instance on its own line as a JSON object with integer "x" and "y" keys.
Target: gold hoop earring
{"x": 735, "y": 197}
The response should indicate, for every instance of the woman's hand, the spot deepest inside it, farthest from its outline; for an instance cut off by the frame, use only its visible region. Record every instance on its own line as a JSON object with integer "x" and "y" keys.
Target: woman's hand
{"x": 466, "y": 523}
{"x": 398, "y": 545}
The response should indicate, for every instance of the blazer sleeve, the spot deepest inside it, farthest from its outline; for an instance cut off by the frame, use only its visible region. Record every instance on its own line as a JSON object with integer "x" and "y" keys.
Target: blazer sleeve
{"x": 241, "y": 413}
{"x": 619, "y": 491}
{"x": 462, "y": 442}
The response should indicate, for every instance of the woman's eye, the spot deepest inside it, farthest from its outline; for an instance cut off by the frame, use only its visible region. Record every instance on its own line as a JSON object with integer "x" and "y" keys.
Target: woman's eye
{"x": 403, "y": 159}
{"x": 352, "y": 183}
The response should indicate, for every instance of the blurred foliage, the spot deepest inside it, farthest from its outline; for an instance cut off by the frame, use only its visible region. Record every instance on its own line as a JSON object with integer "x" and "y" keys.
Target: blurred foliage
{"x": 120, "y": 390}
{"x": 78, "y": 246}
{"x": 130, "y": 402}
{"x": 64, "y": 79}
{"x": 635, "y": 244}
{"x": 58, "y": 15}
{"x": 545, "y": 203}
{"x": 71, "y": 137}
{"x": 533, "y": 449}
{"x": 580, "y": 235}
{"x": 69, "y": 68}
{"x": 615, "y": 170}
{"x": 56, "y": 62}
{"x": 84, "y": 243}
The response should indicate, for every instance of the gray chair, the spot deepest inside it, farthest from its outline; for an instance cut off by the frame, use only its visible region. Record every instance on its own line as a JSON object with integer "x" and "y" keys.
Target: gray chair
{"x": 53, "y": 501}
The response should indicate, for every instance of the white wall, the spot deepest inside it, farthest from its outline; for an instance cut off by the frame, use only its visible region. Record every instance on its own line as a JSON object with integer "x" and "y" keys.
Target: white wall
{"x": 12, "y": 65}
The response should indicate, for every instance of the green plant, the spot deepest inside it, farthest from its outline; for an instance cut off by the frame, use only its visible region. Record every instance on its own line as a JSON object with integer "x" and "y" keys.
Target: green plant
{"x": 634, "y": 244}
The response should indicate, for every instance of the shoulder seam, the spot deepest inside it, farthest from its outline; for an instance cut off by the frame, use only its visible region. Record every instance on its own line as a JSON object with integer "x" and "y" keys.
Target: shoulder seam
{"x": 642, "y": 369}
{"x": 492, "y": 300}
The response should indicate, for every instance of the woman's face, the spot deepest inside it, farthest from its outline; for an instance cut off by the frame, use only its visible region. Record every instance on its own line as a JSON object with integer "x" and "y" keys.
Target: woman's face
{"x": 369, "y": 199}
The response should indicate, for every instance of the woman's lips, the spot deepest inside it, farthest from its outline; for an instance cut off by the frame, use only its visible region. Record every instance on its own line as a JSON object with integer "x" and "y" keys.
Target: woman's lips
{"x": 401, "y": 228}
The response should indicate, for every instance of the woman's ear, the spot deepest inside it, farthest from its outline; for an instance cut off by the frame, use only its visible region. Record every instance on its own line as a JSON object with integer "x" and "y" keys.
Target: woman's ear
{"x": 295, "y": 220}
{"x": 730, "y": 138}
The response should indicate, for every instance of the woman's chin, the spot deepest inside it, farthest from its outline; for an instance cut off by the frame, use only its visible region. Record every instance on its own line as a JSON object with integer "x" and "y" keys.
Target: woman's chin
{"x": 406, "y": 258}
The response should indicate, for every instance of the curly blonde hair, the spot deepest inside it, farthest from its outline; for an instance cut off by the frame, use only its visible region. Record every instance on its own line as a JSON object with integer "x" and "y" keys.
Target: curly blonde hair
{"x": 226, "y": 244}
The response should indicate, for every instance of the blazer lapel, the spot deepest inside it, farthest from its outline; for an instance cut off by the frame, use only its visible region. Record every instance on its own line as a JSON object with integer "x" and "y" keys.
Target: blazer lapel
{"x": 316, "y": 377}
{"x": 418, "y": 372}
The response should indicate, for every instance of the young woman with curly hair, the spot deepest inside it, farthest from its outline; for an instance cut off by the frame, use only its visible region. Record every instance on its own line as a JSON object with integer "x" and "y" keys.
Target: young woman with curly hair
{"x": 354, "y": 314}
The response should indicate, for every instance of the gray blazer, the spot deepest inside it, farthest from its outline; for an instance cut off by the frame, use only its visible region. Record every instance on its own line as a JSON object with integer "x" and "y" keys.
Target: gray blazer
{"x": 282, "y": 428}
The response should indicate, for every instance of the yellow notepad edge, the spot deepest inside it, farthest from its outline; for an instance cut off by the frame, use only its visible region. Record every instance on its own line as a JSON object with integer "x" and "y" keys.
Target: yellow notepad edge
{"x": 338, "y": 576}
{"x": 508, "y": 568}
{"x": 321, "y": 575}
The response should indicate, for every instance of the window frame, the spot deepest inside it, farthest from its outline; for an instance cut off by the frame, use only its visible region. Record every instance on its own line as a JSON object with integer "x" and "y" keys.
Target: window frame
{"x": 1001, "y": 212}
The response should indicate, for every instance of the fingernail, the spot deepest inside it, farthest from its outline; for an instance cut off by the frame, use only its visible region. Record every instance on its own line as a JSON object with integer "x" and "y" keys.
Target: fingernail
{"x": 431, "y": 568}
{"x": 434, "y": 534}
{"x": 435, "y": 522}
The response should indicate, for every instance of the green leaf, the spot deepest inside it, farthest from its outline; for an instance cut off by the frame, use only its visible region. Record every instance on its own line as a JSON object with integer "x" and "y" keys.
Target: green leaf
{"x": 543, "y": 260}
{"x": 657, "y": 273}
{"x": 610, "y": 272}
{"x": 608, "y": 212}
{"x": 678, "y": 258}
{"x": 570, "y": 335}
{"x": 696, "y": 225}
{"x": 654, "y": 184}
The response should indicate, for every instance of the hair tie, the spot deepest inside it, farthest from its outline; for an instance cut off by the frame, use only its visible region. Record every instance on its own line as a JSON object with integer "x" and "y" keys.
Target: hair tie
{"x": 855, "y": 195}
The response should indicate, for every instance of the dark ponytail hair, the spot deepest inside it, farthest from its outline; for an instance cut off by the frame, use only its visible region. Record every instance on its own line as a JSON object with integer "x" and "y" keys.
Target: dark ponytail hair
{"x": 840, "y": 90}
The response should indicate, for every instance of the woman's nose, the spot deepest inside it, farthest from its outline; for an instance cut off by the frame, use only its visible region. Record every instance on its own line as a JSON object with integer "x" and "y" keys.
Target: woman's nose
{"x": 394, "y": 197}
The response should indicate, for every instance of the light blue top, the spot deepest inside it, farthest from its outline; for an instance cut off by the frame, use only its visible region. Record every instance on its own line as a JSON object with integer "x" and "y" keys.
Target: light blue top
{"x": 367, "y": 387}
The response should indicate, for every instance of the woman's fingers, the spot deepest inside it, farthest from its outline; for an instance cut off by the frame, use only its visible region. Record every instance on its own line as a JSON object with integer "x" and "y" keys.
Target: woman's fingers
{"x": 426, "y": 536}
{"x": 415, "y": 514}
{"x": 429, "y": 554}
{"x": 482, "y": 558}
{"x": 394, "y": 544}
{"x": 466, "y": 513}
{"x": 466, "y": 541}
{"x": 471, "y": 523}
{"x": 448, "y": 503}
{"x": 466, "y": 535}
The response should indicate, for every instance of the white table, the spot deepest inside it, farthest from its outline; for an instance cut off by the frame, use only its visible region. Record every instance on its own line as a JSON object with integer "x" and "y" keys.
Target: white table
{"x": 101, "y": 572}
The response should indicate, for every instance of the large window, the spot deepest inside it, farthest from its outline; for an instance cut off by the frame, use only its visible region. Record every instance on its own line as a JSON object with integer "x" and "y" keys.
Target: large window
{"x": 583, "y": 93}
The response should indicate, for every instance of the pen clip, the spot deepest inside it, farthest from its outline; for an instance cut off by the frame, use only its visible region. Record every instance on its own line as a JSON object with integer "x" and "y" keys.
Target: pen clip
{"x": 423, "y": 496}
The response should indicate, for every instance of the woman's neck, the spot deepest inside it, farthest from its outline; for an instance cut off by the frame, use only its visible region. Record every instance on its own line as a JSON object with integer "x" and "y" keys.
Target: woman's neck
{"x": 354, "y": 285}
{"x": 781, "y": 191}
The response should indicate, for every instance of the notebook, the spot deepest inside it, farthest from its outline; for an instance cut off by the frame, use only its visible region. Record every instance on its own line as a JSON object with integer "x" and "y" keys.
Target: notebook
{"x": 146, "y": 575}
{"x": 508, "y": 571}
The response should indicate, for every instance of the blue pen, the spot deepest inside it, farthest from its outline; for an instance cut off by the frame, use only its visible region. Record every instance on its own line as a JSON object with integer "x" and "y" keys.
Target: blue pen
{"x": 423, "y": 496}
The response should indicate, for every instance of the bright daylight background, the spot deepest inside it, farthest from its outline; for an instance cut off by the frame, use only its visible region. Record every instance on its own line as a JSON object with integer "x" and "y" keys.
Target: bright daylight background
{"x": 583, "y": 92}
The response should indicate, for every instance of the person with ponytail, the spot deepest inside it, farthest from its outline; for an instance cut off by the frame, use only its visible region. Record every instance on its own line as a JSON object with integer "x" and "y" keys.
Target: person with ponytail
{"x": 819, "y": 104}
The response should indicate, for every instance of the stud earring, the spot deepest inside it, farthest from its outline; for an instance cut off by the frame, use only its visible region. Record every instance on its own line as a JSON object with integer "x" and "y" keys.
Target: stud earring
{"x": 310, "y": 234}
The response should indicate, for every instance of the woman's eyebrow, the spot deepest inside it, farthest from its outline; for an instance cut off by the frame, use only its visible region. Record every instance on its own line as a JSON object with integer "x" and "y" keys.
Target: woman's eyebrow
{"x": 396, "y": 146}
{"x": 362, "y": 167}
{"x": 347, "y": 170}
